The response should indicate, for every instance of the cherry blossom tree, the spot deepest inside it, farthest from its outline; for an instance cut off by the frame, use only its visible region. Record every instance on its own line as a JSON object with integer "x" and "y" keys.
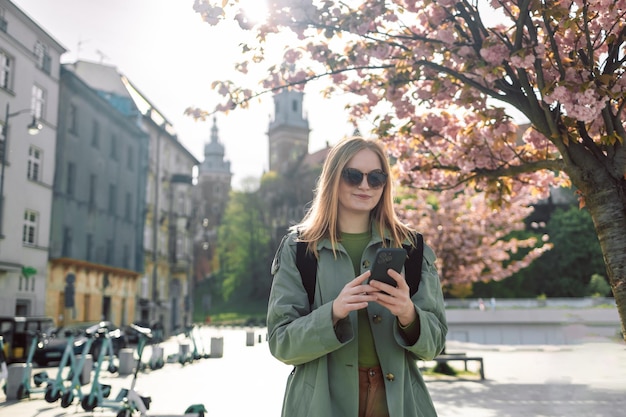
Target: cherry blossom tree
{"x": 440, "y": 78}
{"x": 470, "y": 238}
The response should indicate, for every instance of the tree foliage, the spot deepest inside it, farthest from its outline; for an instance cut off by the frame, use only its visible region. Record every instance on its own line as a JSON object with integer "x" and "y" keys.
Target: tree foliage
{"x": 439, "y": 76}
{"x": 566, "y": 270}
{"x": 472, "y": 241}
{"x": 243, "y": 239}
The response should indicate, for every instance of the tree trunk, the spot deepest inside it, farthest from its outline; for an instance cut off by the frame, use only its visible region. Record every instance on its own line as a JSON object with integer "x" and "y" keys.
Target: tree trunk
{"x": 605, "y": 201}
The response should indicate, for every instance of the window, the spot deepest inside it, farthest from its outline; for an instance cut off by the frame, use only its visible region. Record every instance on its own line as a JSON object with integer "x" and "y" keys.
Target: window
{"x": 34, "y": 164}
{"x": 109, "y": 252}
{"x": 126, "y": 257}
{"x": 112, "y": 198}
{"x": 113, "y": 154}
{"x": 5, "y": 70}
{"x": 3, "y": 21}
{"x": 38, "y": 99}
{"x": 95, "y": 135}
{"x": 71, "y": 179}
{"x": 181, "y": 204}
{"x": 29, "y": 231}
{"x": 93, "y": 183}
{"x": 130, "y": 161}
{"x": 89, "y": 248}
{"x": 43, "y": 59}
{"x": 86, "y": 305}
{"x": 66, "y": 250}
{"x": 128, "y": 206}
{"x": 72, "y": 118}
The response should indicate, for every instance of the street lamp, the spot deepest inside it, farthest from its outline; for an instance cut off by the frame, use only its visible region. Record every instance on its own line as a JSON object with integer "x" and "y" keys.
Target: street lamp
{"x": 33, "y": 128}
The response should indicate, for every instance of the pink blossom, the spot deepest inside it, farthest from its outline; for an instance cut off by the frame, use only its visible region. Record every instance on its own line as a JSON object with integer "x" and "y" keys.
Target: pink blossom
{"x": 524, "y": 62}
{"x": 446, "y": 36}
{"x": 495, "y": 54}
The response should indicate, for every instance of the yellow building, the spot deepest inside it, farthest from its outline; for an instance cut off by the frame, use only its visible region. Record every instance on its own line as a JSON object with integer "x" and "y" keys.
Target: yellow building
{"x": 83, "y": 291}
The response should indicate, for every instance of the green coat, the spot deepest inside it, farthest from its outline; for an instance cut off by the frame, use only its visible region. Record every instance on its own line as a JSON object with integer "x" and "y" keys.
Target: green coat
{"x": 324, "y": 381}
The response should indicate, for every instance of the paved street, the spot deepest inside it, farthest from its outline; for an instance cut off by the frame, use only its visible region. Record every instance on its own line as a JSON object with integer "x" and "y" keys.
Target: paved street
{"x": 581, "y": 380}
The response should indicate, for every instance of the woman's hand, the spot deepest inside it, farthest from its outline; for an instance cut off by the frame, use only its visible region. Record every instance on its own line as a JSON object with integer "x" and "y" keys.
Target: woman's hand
{"x": 354, "y": 296}
{"x": 396, "y": 299}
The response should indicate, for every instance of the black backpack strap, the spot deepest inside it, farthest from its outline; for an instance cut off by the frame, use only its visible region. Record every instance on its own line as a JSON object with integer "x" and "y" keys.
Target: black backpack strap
{"x": 307, "y": 266}
{"x": 413, "y": 264}
{"x": 306, "y": 263}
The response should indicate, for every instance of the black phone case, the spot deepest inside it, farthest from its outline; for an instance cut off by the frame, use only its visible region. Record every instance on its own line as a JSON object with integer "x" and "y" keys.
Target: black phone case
{"x": 385, "y": 259}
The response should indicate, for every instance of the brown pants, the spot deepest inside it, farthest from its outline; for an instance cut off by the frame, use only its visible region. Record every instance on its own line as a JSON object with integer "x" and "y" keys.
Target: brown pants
{"x": 372, "y": 398}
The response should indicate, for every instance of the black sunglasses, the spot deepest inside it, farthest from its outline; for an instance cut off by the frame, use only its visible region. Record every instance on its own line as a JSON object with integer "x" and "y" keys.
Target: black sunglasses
{"x": 376, "y": 178}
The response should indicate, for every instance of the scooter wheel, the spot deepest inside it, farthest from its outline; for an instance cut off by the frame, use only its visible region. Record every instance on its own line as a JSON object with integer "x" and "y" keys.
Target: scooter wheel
{"x": 66, "y": 399}
{"x": 124, "y": 413}
{"x": 88, "y": 403}
{"x": 39, "y": 378}
{"x": 51, "y": 394}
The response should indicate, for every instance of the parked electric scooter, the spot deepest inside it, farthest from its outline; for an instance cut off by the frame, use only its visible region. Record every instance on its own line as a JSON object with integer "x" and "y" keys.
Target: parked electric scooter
{"x": 185, "y": 354}
{"x": 105, "y": 349}
{"x": 129, "y": 401}
{"x": 56, "y": 387}
{"x": 193, "y": 335}
{"x": 156, "y": 358}
{"x": 25, "y": 388}
{"x": 99, "y": 393}
{"x": 73, "y": 390}
{"x": 204, "y": 351}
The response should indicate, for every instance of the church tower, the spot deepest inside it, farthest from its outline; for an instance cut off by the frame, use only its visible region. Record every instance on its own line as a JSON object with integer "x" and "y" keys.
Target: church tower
{"x": 214, "y": 179}
{"x": 288, "y": 132}
{"x": 211, "y": 197}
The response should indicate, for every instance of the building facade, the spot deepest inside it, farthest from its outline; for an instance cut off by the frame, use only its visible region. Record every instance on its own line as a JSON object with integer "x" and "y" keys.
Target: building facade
{"x": 29, "y": 89}
{"x": 290, "y": 193}
{"x": 96, "y": 235}
{"x": 288, "y": 132}
{"x": 163, "y": 292}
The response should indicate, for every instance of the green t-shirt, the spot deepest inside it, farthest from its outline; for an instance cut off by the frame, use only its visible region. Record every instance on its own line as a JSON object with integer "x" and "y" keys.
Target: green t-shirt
{"x": 355, "y": 244}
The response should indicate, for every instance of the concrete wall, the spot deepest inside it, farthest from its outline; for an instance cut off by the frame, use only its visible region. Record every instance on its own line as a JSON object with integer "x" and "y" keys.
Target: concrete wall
{"x": 554, "y": 326}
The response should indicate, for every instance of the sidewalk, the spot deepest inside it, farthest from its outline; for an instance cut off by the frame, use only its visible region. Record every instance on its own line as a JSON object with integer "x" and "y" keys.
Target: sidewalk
{"x": 588, "y": 379}
{"x": 582, "y": 380}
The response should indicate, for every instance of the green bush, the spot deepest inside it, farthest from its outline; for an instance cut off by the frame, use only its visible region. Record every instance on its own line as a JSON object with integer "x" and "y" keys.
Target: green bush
{"x": 598, "y": 286}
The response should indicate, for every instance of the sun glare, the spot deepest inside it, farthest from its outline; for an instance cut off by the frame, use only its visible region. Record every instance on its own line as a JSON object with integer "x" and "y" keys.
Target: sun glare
{"x": 256, "y": 10}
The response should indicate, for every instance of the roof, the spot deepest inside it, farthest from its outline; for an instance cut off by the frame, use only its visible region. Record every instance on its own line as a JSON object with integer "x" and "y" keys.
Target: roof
{"x": 316, "y": 158}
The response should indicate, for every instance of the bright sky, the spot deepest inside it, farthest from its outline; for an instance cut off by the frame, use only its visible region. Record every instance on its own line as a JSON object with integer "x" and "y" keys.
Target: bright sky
{"x": 172, "y": 57}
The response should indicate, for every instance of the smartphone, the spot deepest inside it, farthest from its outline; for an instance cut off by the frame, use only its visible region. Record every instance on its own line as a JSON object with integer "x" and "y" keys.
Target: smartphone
{"x": 387, "y": 258}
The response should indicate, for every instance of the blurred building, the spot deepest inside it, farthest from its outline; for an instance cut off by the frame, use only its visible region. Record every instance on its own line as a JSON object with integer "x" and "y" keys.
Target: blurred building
{"x": 29, "y": 90}
{"x": 210, "y": 199}
{"x": 163, "y": 292}
{"x": 96, "y": 236}
{"x": 289, "y": 194}
{"x": 288, "y": 132}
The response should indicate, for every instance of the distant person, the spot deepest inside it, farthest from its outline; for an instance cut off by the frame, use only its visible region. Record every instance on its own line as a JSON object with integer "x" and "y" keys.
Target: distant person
{"x": 481, "y": 304}
{"x": 492, "y": 303}
{"x": 355, "y": 349}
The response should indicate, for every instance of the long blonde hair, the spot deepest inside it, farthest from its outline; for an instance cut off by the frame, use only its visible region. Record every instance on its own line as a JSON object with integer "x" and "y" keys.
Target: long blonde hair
{"x": 321, "y": 220}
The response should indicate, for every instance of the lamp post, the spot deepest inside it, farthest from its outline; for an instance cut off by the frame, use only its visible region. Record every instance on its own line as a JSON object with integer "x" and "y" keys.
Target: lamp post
{"x": 33, "y": 128}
